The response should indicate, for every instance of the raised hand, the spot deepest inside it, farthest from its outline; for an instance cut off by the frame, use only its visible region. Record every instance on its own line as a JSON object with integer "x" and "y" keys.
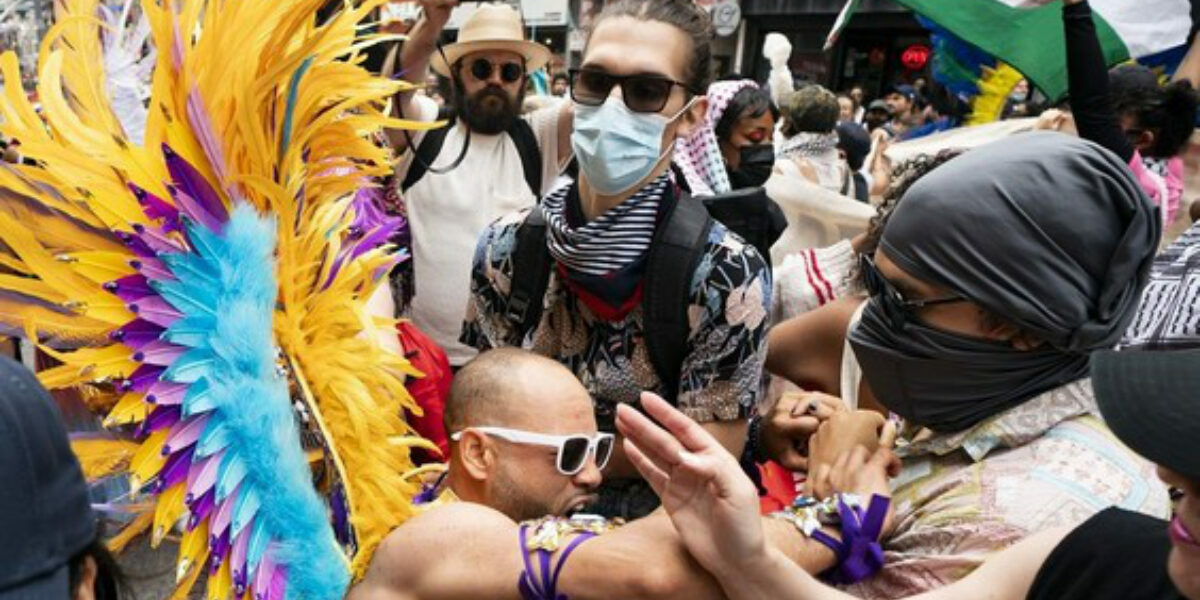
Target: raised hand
{"x": 712, "y": 504}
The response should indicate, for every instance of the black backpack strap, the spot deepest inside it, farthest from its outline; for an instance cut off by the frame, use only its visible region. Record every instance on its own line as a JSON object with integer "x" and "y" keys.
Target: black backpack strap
{"x": 674, "y": 255}
{"x": 531, "y": 156}
{"x": 427, "y": 152}
{"x": 530, "y": 275}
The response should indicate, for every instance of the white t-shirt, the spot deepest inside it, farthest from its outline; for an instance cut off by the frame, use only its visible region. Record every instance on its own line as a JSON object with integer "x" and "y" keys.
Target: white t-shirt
{"x": 448, "y": 212}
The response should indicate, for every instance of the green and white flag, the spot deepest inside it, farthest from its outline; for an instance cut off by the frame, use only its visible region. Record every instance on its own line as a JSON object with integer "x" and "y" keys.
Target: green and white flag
{"x": 1028, "y": 34}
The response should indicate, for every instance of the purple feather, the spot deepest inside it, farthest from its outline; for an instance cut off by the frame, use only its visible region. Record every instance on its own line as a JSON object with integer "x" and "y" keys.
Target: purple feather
{"x": 152, "y": 268}
{"x": 129, "y": 288}
{"x": 224, "y": 514}
{"x": 205, "y": 133}
{"x": 142, "y": 378}
{"x": 166, "y": 393}
{"x": 193, "y": 185}
{"x": 185, "y": 433}
{"x": 157, "y": 239}
{"x": 203, "y": 475}
{"x": 135, "y": 244}
{"x": 159, "y": 353}
{"x": 156, "y": 310}
{"x": 278, "y": 586}
{"x": 136, "y": 333}
{"x": 201, "y": 508}
{"x": 156, "y": 208}
{"x": 237, "y": 559}
{"x": 161, "y": 417}
{"x": 219, "y": 547}
{"x": 263, "y": 574}
{"x": 175, "y": 469}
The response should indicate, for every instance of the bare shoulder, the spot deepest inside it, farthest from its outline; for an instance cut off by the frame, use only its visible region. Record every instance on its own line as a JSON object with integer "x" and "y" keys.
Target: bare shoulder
{"x": 432, "y": 555}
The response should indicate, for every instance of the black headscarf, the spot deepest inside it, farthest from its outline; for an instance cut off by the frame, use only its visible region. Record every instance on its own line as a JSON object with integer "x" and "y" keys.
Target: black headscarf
{"x": 1051, "y": 234}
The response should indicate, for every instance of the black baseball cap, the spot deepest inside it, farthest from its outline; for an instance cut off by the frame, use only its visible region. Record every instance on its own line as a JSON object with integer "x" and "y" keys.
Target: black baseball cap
{"x": 1149, "y": 400}
{"x": 45, "y": 512}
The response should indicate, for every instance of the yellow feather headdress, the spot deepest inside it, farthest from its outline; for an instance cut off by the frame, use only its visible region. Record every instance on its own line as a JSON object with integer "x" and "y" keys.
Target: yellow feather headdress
{"x": 212, "y": 281}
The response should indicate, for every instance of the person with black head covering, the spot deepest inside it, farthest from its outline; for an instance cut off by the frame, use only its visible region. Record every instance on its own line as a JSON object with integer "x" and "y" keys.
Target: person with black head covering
{"x": 854, "y": 144}
{"x": 51, "y": 547}
{"x": 996, "y": 277}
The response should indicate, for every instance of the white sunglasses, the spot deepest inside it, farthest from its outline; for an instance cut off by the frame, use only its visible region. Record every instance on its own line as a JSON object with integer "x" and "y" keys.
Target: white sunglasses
{"x": 573, "y": 450}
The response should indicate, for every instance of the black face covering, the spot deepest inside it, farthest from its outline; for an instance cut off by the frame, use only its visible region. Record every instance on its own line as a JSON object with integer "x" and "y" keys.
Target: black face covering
{"x": 946, "y": 381}
{"x": 755, "y": 167}
{"x": 1049, "y": 233}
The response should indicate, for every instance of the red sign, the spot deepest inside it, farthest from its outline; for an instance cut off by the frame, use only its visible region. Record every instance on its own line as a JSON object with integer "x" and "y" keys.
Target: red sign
{"x": 915, "y": 57}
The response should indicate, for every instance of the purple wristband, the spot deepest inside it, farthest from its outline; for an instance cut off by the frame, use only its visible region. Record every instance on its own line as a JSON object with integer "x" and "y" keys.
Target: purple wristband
{"x": 859, "y": 553}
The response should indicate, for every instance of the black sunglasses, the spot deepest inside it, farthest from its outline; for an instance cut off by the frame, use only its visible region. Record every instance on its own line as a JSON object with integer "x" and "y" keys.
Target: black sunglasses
{"x": 641, "y": 93}
{"x": 510, "y": 72}
{"x": 895, "y": 305}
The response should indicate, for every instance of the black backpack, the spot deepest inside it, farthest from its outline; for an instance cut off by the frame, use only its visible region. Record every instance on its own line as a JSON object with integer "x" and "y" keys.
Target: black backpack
{"x": 521, "y": 134}
{"x": 675, "y": 253}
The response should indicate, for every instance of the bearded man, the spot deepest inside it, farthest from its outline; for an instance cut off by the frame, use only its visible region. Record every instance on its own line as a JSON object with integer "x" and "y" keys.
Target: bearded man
{"x": 490, "y": 160}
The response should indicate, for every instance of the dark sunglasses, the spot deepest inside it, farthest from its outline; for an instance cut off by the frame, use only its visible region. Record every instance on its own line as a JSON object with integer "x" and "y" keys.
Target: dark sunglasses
{"x": 510, "y": 72}
{"x": 641, "y": 93}
{"x": 895, "y": 305}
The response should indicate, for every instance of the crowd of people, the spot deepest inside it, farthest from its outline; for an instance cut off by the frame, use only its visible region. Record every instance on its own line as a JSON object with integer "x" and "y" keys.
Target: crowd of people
{"x": 661, "y": 301}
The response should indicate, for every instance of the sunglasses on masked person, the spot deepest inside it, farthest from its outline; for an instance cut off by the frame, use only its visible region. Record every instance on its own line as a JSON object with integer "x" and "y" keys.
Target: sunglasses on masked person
{"x": 641, "y": 93}
{"x": 896, "y": 306}
{"x": 573, "y": 450}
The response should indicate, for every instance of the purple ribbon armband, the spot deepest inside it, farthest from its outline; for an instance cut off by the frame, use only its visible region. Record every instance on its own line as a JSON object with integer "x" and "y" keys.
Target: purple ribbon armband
{"x": 859, "y": 553}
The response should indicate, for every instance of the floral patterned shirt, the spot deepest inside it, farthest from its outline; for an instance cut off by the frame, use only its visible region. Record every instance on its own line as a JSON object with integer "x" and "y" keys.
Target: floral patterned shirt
{"x": 722, "y": 373}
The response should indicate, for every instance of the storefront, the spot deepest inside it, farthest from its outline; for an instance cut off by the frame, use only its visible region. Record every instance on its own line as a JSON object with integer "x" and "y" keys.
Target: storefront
{"x": 869, "y": 52}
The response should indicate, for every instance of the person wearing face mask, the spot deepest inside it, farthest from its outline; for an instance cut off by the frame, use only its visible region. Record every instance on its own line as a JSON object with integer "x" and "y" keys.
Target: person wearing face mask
{"x": 1147, "y": 397}
{"x": 488, "y": 161}
{"x": 980, "y": 342}
{"x": 639, "y": 89}
{"x": 733, "y": 149}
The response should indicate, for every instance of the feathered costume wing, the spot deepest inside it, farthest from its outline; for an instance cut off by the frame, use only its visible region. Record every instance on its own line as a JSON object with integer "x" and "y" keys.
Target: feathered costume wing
{"x": 206, "y": 288}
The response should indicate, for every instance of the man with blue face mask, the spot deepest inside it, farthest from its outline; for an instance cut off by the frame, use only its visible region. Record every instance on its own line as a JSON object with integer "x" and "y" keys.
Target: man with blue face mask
{"x": 639, "y": 89}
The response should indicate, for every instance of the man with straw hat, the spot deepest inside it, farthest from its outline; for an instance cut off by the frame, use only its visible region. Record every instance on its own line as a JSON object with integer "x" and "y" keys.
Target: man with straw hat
{"x": 490, "y": 160}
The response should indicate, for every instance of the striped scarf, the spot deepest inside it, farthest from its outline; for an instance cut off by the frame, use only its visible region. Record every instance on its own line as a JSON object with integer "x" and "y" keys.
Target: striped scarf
{"x": 603, "y": 260}
{"x": 614, "y": 240}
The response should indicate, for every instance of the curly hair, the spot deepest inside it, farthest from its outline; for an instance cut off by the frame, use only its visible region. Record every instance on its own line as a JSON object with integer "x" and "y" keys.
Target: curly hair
{"x": 904, "y": 175}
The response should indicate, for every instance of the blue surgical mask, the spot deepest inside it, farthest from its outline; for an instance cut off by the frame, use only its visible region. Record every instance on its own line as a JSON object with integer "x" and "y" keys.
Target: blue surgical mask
{"x": 616, "y": 147}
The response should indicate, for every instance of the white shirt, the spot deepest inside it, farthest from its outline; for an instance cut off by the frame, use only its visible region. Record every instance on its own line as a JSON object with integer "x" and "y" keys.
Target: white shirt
{"x": 448, "y": 212}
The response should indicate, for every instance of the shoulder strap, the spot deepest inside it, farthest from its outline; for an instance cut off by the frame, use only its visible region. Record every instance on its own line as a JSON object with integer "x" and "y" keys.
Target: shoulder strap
{"x": 674, "y": 255}
{"x": 427, "y": 152}
{"x": 531, "y": 156}
{"x": 531, "y": 273}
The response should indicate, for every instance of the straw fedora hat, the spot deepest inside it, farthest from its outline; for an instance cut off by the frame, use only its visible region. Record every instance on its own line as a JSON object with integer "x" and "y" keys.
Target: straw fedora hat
{"x": 492, "y": 27}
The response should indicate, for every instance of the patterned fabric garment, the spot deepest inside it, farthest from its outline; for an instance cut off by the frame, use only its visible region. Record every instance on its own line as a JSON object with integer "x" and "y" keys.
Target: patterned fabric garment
{"x": 612, "y": 241}
{"x": 1169, "y": 315}
{"x": 722, "y": 371}
{"x": 699, "y": 156}
{"x": 1048, "y": 463}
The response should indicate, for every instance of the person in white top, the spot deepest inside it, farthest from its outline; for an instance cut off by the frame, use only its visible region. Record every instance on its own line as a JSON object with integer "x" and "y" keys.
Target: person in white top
{"x": 487, "y": 162}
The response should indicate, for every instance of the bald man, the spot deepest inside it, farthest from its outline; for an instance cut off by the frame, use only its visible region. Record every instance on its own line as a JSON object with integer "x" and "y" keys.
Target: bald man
{"x": 467, "y": 545}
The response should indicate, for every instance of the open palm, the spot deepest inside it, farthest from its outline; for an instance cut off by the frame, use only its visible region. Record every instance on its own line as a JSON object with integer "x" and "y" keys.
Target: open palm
{"x": 712, "y": 504}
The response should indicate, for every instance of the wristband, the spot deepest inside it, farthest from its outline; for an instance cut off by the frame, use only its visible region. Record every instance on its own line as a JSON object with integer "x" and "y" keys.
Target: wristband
{"x": 858, "y": 553}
